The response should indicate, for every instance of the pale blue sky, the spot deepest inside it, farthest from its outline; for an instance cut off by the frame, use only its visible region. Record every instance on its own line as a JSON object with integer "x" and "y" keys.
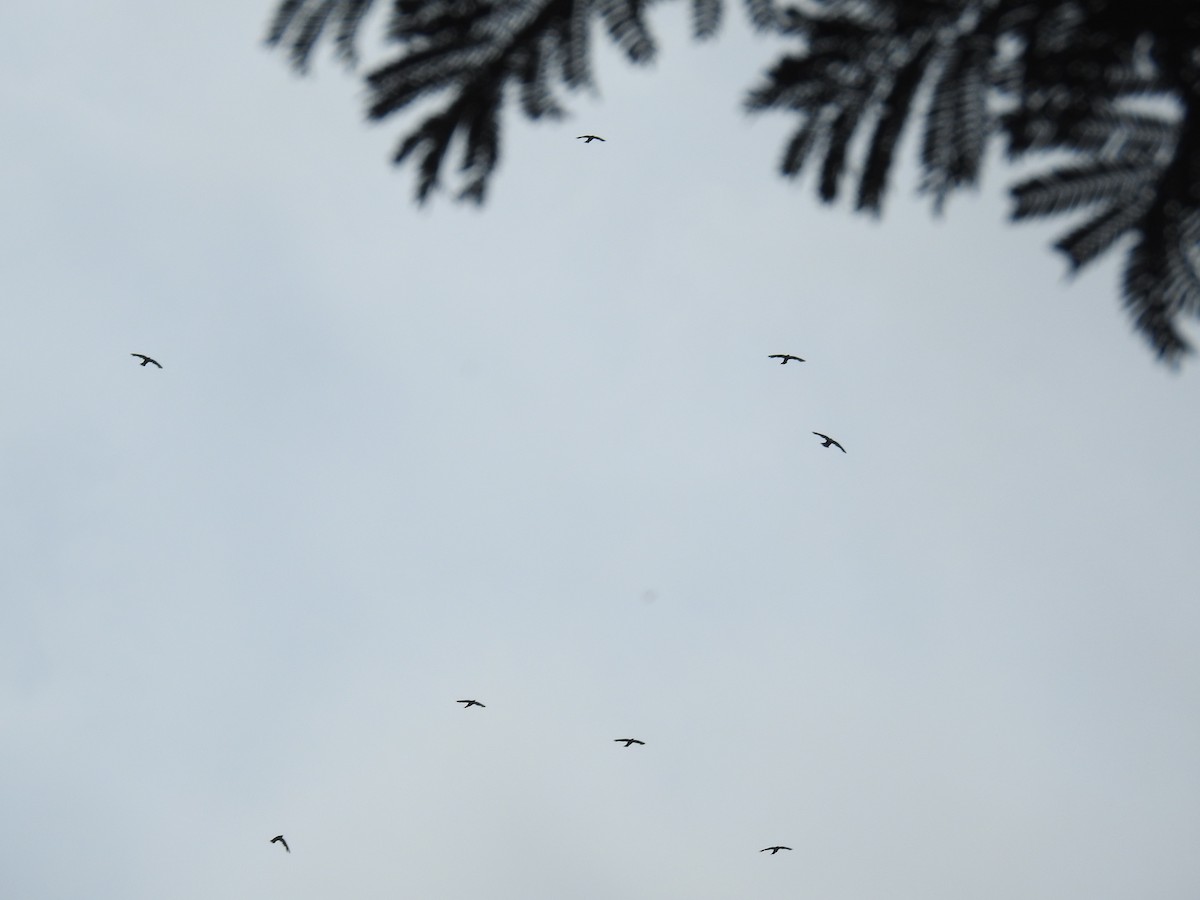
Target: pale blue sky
{"x": 536, "y": 454}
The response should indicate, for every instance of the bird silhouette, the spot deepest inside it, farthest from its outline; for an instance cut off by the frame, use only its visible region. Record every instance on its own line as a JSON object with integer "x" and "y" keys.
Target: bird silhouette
{"x": 628, "y": 741}
{"x": 278, "y": 839}
{"x": 470, "y": 703}
{"x": 784, "y": 357}
{"x": 146, "y": 360}
{"x": 588, "y": 138}
{"x": 774, "y": 849}
{"x": 829, "y": 442}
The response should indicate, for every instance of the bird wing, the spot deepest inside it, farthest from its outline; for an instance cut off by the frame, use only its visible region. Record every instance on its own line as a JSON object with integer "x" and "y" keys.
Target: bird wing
{"x": 839, "y": 446}
{"x": 777, "y": 356}
{"x": 825, "y": 436}
{"x": 139, "y": 355}
{"x": 155, "y": 361}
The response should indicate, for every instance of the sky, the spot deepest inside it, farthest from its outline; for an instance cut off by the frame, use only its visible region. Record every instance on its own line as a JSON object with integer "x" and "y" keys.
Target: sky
{"x": 535, "y": 454}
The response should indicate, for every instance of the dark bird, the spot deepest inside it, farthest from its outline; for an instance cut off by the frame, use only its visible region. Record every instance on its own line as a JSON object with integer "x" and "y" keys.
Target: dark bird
{"x": 278, "y": 839}
{"x": 588, "y": 138}
{"x": 829, "y": 442}
{"x": 470, "y": 703}
{"x": 146, "y": 360}
{"x": 774, "y": 850}
{"x": 784, "y": 357}
{"x": 628, "y": 741}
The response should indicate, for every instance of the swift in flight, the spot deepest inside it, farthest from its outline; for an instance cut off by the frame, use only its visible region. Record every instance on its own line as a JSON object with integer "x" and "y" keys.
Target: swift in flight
{"x": 588, "y": 138}
{"x": 784, "y": 357}
{"x": 278, "y": 839}
{"x": 829, "y": 442}
{"x": 145, "y": 360}
{"x": 628, "y": 741}
{"x": 470, "y": 703}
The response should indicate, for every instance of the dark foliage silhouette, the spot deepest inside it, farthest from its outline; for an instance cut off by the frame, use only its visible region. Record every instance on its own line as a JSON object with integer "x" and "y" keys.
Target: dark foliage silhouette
{"x": 1109, "y": 89}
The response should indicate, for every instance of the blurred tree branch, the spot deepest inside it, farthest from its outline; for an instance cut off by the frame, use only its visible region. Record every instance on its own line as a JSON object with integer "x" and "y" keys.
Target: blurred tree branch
{"x": 1111, "y": 86}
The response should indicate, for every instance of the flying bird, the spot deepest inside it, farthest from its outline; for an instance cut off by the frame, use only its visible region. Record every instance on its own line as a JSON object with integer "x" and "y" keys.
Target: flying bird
{"x": 146, "y": 360}
{"x": 588, "y": 138}
{"x": 829, "y": 442}
{"x": 470, "y": 703}
{"x": 784, "y": 357}
{"x": 278, "y": 839}
{"x": 775, "y": 849}
{"x": 628, "y": 741}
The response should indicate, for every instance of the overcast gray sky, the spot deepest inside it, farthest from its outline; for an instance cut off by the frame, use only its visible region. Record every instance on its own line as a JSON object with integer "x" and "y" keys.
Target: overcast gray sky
{"x": 535, "y": 454}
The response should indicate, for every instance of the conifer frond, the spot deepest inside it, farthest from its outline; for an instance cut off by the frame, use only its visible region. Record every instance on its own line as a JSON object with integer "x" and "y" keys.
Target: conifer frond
{"x": 433, "y": 137}
{"x": 1083, "y": 244}
{"x": 1161, "y": 278}
{"x": 308, "y": 22}
{"x": 794, "y": 82}
{"x": 1071, "y": 187}
{"x": 533, "y": 74}
{"x": 706, "y": 18}
{"x": 890, "y": 124}
{"x": 1154, "y": 296}
{"x": 473, "y": 117}
{"x": 1127, "y": 134}
{"x": 435, "y": 69}
{"x": 416, "y": 23}
{"x": 627, "y": 27}
{"x": 282, "y": 20}
{"x": 841, "y": 130}
{"x": 482, "y": 149}
{"x": 300, "y": 24}
{"x": 767, "y": 15}
{"x": 574, "y": 47}
{"x": 800, "y": 146}
{"x": 1104, "y": 131}
{"x": 842, "y": 64}
{"x": 957, "y": 124}
{"x": 349, "y": 21}
{"x": 1080, "y": 127}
